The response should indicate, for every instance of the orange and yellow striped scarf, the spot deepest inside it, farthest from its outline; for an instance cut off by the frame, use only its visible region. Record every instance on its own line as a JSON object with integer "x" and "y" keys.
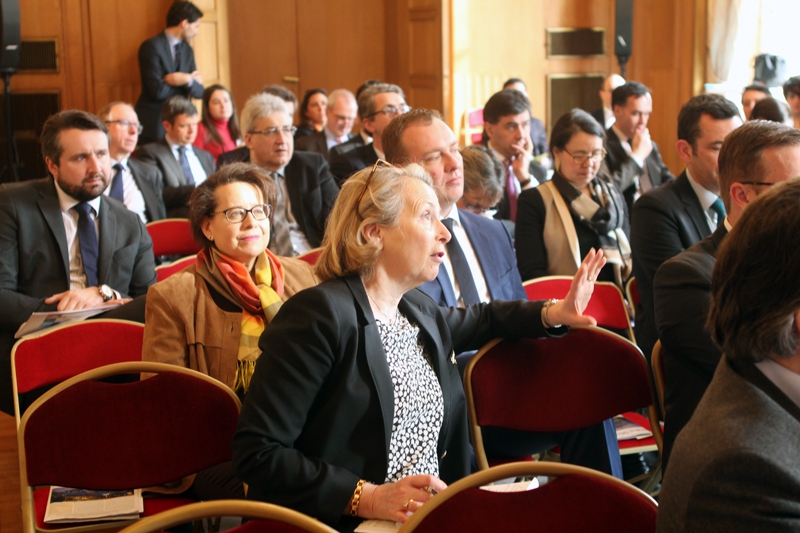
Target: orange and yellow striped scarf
{"x": 260, "y": 300}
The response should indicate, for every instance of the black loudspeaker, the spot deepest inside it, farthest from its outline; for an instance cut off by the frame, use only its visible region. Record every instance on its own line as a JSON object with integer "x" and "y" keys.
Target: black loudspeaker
{"x": 623, "y": 32}
{"x": 9, "y": 35}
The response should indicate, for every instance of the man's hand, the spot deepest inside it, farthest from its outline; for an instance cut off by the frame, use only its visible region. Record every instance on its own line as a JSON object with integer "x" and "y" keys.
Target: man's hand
{"x": 77, "y": 299}
{"x": 523, "y": 155}
{"x": 198, "y": 78}
{"x": 177, "y": 79}
{"x": 641, "y": 145}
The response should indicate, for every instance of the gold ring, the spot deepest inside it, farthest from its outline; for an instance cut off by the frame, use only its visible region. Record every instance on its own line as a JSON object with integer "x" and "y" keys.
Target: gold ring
{"x": 590, "y": 279}
{"x": 405, "y": 505}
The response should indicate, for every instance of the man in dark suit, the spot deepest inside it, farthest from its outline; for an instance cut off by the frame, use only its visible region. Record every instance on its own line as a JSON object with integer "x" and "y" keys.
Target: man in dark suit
{"x": 736, "y": 465}
{"x": 341, "y": 112}
{"x": 138, "y": 185}
{"x": 63, "y": 245}
{"x": 605, "y": 114}
{"x": 633, "y": 161}
{"x": 167, "y": 67}
{"x": 378, "y": 104}
{"x": 306, "y": 188}
{"x": 182, "y": 165}
{"x": 669, "y": 219}
{"x": 538, "y": 133}
{"x": 762, "y": 152}
{"x": 480, "y": 266}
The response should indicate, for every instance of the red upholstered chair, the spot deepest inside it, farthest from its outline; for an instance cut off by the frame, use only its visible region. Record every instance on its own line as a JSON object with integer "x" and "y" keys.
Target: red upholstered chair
{"x": 632, "y": 293}
{"x": 271, "y": 518}
{"x": 607, "y": 305}
{"x": 473, "y": 126}
{"x": 112, "y": 436}
{"x": 556, "y": 384}
{"x": 165, "y": 271}
{"x": 172, "y": 236}
{"x": 53, "y": 355}
{"x": 577, "y": 499}
{"x": 311, "y": 256}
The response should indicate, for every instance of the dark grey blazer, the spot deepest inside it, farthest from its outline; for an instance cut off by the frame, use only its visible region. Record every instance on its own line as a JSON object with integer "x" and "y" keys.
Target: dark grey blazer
{"x": 34, "y": 260}
{"x": 736, "y": 465}
{"x": 344, "y": 165}
{"x": 151, "y": 184}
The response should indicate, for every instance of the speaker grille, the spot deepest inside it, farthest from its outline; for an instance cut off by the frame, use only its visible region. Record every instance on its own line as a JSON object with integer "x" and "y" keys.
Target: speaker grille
{"x": 30, "y": 111}
{"x": 38, "y": 56}
{"x": 575, "y": 42}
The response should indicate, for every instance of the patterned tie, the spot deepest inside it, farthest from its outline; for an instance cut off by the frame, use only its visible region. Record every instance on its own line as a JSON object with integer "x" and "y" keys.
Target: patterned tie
{"x": 177, "y": 57}
{"x": 87, "y": 240}
{"x": 184, "y": 161}
{"x": 511, "y": 188}
{"x": 469, "y": 294}
{"x": 281, "y": 243}
{"x": 116, "y": 191}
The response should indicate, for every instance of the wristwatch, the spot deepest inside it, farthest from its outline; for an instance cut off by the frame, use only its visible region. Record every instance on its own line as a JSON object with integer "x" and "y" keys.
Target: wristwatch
{"x": 547, "y": 324}
{"x": 106, "y": 292}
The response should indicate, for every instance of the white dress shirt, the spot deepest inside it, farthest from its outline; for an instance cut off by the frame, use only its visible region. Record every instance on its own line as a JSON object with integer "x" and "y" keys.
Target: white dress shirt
{"x": 300, "y": 243}
{"x": 77, "y": 276}
{"x": 472, "y": 260}
{"x": 134, "y": 200}
{"x": 706, "y": 197}
{"x": 198, "y": 173}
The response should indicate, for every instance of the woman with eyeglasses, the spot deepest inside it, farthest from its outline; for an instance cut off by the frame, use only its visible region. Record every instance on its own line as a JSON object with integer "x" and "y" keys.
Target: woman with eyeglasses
{"x": 357, "y": 410}
{"x": 219, "y": 131}
{"x": 561, "y": 220}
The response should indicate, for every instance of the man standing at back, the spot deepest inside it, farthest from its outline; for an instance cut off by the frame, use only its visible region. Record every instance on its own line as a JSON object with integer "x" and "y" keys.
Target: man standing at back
{"x": 605, "y": 115}
{"x": 167, "y": 68}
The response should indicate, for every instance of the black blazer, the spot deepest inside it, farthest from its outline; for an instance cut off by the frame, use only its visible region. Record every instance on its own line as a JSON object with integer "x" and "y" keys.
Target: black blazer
{"x": 664, "y": 222}
{"x": 318, "y": 414}
{"x": 344, "y": 165}
{"x": 155, "y": 61}
{"x": 237, "y": 155}
{"x": 176, "y": 191}
{"x": 622, "y": 169}
{"x": 682, "y": 299}
{"x": 34, "y": 260}
{"x": 151, "y": 184}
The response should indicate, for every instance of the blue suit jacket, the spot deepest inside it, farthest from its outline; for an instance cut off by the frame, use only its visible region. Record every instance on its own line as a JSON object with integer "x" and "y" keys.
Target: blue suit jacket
{"x": 493, "y": 246}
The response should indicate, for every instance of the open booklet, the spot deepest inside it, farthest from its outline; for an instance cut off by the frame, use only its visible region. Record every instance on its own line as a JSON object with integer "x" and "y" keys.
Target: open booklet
{"x": 79, "y": 505}
{"x": 629, "y": 430}
{"x": 387, "y": 526}
{"x": 48, "y": 319}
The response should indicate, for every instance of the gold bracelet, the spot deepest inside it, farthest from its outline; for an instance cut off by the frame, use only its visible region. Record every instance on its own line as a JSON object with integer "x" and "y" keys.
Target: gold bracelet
{"x": 545, "y": 320}
{"x": 357, "y": 497}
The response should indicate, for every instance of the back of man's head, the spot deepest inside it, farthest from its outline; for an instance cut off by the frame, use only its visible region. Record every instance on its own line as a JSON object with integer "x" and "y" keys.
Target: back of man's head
{"x": 367, "y": 83}
{"x": 281, "y": 92}
{"x": 631, "y": 88}
{"x": 504, "y": 103}
{"x": 180, "y": 11}
{"x": 259, "y": 106}
{"x": 366, "y": 99}
{"x": 72, "y": 119}
{"x": 714, "y": 105}
{"x": 177, "y": 105}
{"x": 392, "y": 136}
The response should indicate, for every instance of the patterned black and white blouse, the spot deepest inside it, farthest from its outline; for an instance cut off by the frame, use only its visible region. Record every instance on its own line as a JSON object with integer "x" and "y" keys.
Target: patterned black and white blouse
{"x": 418, "y": 403}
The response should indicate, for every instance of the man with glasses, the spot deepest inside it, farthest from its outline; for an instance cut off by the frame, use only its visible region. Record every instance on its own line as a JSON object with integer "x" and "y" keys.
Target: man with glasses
{"x": 669, "y": 219}
{"x": 378, "y": 104}
{"x": 306, "y": 188}
{"x": 135, "y": 184}
{"x": 341, "y": 112}
{"x": 752, "y": 159}
{"x": 183, "y": 165}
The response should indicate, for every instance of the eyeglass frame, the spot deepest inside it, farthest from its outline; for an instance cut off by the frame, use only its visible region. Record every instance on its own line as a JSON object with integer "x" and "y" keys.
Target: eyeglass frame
{"x": 380, "y": 162}
{"x": 385, "y": 110}
{"x": 601, "y": 154}
{"x": 762, "y": 183}
{"x": 125, "y": 123}
{"x": 267, "y": 133}
{"x": 267, "y": 209}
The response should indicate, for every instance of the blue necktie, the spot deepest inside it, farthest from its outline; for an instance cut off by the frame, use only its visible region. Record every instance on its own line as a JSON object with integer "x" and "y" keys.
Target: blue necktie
{"x": 116, "y": 191}
{"x": 469, "y": 294}
{"x": 178, "y": 57}
{"x": 184, "y": 161}
{"x": 87, "y": 239}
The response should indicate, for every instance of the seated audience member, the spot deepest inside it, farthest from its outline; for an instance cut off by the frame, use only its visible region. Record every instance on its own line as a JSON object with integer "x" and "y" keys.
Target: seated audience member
{"x": 341, "y": 114}
{"x": 751, "y": 95}
{"x": 605, "y": 115}
{"x": 63, "y": 245}
{"x": 667, "y": 220}
{"x": 136, "y": 184}
{"x": 218, "y": 132}
{"x": 182, "y": 165}
{"x": 736, "y": 465}
{"x": 350, "y": 415}
{"x": 752, "y": 159}
{"x": 633, "y": 161}
{"x": 483, "y": 181}
{"x": 363, "y": 136}
{"x": 772, "y": 110}
{"x": 378, "y": 104}
{"x": 313, "y": 112}
{"x": 791, "y": 91}
{"x": 538, "y": 133}
{"x": 560, "y": 221}
{"x": 236, "y": 285}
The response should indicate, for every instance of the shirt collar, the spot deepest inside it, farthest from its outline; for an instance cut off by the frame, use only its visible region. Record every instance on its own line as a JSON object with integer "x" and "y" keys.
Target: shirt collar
{"x": 379, "y": 153}
{"x": 171, "y": 39}
{"x": 174, "y": 146}
{"x": 123, "y": 162}
{"x": 67, "y": 202}
{"x": 497, "y": 154}
{"x": 329, "y": 136}
{"x": 783, "y": 378}
{"x": 454, "y": 215}
{"x": 706, "y": 197}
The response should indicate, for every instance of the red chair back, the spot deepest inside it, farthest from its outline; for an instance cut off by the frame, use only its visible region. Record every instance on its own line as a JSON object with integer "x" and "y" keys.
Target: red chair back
{"x": 632, "y": 292}
{"x": 165, "y": 271}
{"x": 311, "y": 256}
{"x": 172, "y": 236}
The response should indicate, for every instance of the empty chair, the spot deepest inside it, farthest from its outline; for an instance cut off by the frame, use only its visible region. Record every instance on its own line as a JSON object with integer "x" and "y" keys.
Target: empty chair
{"x": 311, "y": 256}
{"x": 165, "y": 271}
{"x": 172, "y": 236}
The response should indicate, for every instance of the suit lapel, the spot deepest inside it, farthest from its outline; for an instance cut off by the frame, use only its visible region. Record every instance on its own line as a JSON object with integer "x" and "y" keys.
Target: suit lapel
{"x": 51, "y": 211}
{"x": 108, "y": 232}
{"x": 482, "y": 246}
{"x": 750, "y": 373}
{"x": 170, "y": 162}
{"x": 692, "y": 206}
{"x": 150, "y": 201}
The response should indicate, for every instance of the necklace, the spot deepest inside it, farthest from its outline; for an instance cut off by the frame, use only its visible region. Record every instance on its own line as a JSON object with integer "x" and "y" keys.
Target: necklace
{"x": 389, "y": 318}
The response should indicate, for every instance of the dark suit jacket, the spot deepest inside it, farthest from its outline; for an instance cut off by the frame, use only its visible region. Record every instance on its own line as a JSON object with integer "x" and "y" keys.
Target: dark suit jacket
{"x": 237, "y": 155}
{"x": 155, "y": 61}
{"x": 316, "y": 142}
{"x": 493, "y": 246}
{"x": 318, "y": 414}
{"x": 344, "y": 165}
{"x": 664, "y": 222}
{"x": 355, "y": 141}
{"x": 600, "y": 116}
{"x": 151, "y": 184}
{"x": 682, "y": 299}
{"x": 504, "y": 207}
{"x": 34, "y": 260}
{"x": 736, "y": 465}
{"x": 176, "y": 191}
{"x": 623, "y": 169}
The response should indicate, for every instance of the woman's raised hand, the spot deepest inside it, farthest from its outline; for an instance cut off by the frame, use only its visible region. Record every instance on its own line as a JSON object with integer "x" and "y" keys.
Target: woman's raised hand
{"x": 569, "y": 311}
